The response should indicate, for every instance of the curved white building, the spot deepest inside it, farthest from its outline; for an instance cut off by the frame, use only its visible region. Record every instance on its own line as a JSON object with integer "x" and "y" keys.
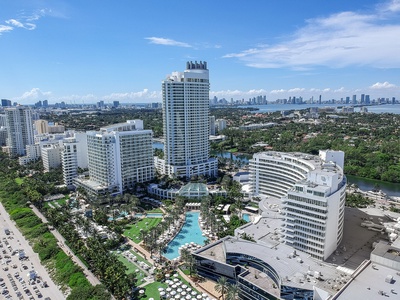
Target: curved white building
{"x": 312, "y": 189}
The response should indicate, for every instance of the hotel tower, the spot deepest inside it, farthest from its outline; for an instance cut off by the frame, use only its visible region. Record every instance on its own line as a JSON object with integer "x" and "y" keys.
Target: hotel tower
{"x": 186, "y": 123}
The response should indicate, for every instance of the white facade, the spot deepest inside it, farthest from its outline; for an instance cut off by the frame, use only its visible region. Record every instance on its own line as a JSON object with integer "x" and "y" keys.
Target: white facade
{"x": 220, "y": 124}
{"x": 119, "y": 156}
{"x": 212, "y": 125}
{"x": 51, "y": 156}
{"x": 186, "y": 123}
{"x": 313, "y": 196}
{"x": 19, "y": 129}
{"x": 69, "y": 158}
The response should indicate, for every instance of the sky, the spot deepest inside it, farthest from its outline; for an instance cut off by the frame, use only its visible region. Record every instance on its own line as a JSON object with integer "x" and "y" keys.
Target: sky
{"x": 87, "y": 51}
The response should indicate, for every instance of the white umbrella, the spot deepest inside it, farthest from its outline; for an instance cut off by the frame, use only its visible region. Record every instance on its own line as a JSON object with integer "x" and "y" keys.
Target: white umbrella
{"x": 188, "y": 297}
{"x": 167, "y": 275}
{"x": 162, "y": 293}
{"x": 151, "y": 298}
{"x": 178, "y": 282}
{"x": 160, "y": 289}
{"x": 199, "y": 297}
{"x": 173, "y": 293}
{"x": 174, "y": 286}
{"x": 183, "y": 293}
{"x": 184, "y": 286}
{"x": 141, "y": 292}
{"x": 188, "y": 289}
{"x": 177, "y": 296}
{"x": 194, "y": 293}
{"x": 176, "y": 279}
{"x": 176, "y": 275}
{"x": 205, "y": 295}
{"x": 179, "y": 290}
{"x": 168, "y": 289}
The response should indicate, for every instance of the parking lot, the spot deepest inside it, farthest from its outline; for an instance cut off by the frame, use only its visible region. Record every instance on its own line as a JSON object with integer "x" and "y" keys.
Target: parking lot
{"x": 21, "y": 274}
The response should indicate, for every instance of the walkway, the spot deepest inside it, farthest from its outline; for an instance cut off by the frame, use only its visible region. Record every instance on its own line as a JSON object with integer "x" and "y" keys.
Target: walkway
{"x": 61, "y": 242}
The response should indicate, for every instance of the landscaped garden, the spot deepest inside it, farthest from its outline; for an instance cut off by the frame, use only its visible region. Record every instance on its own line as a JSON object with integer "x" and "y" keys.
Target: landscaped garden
{"x": 133, "y": 231}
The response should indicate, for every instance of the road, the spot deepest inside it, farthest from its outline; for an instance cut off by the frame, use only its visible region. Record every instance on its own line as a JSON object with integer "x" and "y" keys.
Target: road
{"x": 61, "y": 242}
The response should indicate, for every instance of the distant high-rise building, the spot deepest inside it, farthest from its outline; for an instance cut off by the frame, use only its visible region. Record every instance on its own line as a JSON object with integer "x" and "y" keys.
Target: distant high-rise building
{"x": 220, "y": 124}
{"x": 320, "y": 99}
{"x": 212, "y": 125}
{"x": 367, "y": 99}
{"x": 5, "y": 102}
{"x": 354, "y": 100}
{"x": 115, "y": 104}
{"x": 186, "y": 123}
{"x": 42, "y": 126}
{"x": 362, "y": 98}
{"x": 45, "y": 103}
{"x": 19, "y": 130}
{"x": 347, "y": 100}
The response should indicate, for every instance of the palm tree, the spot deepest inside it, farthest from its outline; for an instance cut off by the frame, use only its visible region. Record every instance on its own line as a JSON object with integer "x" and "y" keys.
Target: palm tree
{"x": 222, "y": 286}
{"x": 233, "y": 292}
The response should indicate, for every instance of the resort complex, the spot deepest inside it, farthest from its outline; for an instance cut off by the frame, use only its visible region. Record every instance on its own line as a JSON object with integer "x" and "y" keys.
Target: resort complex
{"x": 168, "y": 218}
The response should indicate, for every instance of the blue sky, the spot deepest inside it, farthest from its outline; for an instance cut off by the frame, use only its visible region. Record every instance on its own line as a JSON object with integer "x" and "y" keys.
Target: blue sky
{"x": 86, "y": 51}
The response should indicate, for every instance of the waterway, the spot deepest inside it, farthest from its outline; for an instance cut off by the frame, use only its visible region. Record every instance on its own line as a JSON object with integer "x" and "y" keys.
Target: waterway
{"x": 386, "y": 108}
{"x": 365, "y": 184}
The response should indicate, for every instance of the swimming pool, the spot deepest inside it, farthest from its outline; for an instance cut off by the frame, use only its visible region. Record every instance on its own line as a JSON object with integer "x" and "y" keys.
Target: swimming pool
{"x": 246, "y": 217}
{"x": 190, "y": 232}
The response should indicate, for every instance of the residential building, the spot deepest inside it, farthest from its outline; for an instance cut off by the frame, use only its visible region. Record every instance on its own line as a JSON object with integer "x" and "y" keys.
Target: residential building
{"x": 220, "y": 124}
{"x": 42, "y": 126}
{"x": 186, "y": 123}
{"x": 5, "y": 102}
{"x": 51, "y": 156}
{"x": 212, "y": 125}
{"x": 19, "y": 130}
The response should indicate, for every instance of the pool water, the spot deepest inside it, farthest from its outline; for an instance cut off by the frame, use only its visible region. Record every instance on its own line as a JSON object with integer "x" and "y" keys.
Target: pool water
{"x": 190, "y": 232}
{"x": 246, "y": 217}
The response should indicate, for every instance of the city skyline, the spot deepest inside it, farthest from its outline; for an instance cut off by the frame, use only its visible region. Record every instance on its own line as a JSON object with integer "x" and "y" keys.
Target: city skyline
{"x": 82, "y": 52}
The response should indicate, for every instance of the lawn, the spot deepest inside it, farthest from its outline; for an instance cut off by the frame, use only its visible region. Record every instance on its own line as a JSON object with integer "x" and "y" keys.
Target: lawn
{"x": 59, "y": 201}
{"x": 152, "y": 290}
{"x": 131, "y": 268}
{"x": 140, "y": 258}
{"x": 132, "y": 231}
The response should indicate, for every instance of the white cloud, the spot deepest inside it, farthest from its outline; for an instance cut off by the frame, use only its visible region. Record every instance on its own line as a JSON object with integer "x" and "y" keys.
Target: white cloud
{"x": 382, "y": 85}
{"x": 15, "y": 23}
{"x": 167, "y": 42}
{"x": 339, "y": 40}
{"x": 34, "y": 95}
{"x": 24, "y": 21}
{"x": 4, "y": 28}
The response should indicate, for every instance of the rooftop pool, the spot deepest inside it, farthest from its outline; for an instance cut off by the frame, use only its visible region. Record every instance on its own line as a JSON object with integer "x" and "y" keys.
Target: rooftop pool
{"x": 190, "y": 232}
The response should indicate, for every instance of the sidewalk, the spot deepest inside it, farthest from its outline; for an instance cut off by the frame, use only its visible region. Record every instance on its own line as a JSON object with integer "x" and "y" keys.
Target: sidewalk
{"x": 61, "y": 242}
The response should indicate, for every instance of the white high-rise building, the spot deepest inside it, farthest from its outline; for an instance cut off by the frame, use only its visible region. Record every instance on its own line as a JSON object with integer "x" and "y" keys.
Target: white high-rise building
{"x": 119, "y": 156}
{"x": 51, "y": 156}
{"x": 312, "y": 190}
{"x": 19, "y": 129}
{"x": 186, "y": 123}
